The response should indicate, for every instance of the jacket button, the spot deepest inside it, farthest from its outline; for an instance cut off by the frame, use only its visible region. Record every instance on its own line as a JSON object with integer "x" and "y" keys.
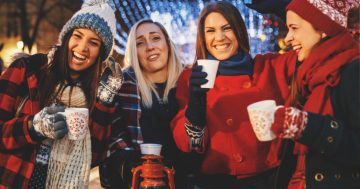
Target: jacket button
{"x": 319, "y": 177}
{"x": 246, "y": 85}
{"x": 238, "y": 158}
{"x": 337, "y": 176}
{"x": 356, "y": 176}
{"x": 334, "y": 125}
{"x": 330, "y": 139}
{"x": 229, "y": 122}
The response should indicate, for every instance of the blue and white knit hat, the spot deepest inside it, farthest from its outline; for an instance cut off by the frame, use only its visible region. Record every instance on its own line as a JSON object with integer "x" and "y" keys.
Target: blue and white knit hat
{"x": 97, "y": 15}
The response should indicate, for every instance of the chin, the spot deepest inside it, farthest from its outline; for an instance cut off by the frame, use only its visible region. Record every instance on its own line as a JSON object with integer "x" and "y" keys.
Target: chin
{"x": 301, "y": 58}
{"x": 222, "y": 57}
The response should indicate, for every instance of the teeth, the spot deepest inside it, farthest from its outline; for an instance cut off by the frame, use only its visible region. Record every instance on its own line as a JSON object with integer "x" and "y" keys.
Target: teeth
{"x": 153, "y": 57}
{"x": 223, "y": 46}
{"x": 79, "y": 56}
{"x": 296, "y": 48}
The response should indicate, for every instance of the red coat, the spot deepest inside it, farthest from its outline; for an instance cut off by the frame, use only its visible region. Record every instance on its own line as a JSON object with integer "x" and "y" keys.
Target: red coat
{"x": 17, "y": 145}
{"x": 231, "y": 145}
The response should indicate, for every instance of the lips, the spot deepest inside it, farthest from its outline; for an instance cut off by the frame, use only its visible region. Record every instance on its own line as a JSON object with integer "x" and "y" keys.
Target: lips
{"x": 78, "y": 58}
{"x": 221, "y": 47}
{"x": 153, "y": 57}
{"x": 296, "y": 48}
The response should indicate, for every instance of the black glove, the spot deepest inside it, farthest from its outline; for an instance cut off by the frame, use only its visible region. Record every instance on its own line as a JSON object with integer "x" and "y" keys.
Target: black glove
{"x": 49, "y": 123}
{"x": 196, "y": 111}
{"x": 270, "y": 7}
{"x": 115, "y": 172}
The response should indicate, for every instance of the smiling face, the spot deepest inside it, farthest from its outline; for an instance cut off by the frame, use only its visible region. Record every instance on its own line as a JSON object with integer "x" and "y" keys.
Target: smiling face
{"x": 84, "y": 48}
{"x": 220, "y": 38}
{"x": 152, "y": 49}
{"x": 302, "y": 36}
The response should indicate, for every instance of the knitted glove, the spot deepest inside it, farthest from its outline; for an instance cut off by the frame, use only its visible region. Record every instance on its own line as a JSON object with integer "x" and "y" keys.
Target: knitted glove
{"x": 49, "y": 123}
{"x": 110, "y": 82}
{"x": 196, "y": 110}
{"x": 289, "y": 122}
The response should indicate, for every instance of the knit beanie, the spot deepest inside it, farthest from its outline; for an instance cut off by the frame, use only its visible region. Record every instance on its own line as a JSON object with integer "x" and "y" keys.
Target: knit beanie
{"x": 97, "y": 15}
{"x": 329, "y": 16}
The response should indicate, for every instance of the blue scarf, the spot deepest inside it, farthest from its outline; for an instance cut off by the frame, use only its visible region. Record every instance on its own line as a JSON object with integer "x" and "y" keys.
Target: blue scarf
{"x": 239, "y": 64}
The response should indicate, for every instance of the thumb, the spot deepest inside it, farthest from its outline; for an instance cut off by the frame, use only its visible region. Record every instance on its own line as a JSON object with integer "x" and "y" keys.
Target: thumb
{"x": 278, "y": 126}
{"x": 111, "y": 65}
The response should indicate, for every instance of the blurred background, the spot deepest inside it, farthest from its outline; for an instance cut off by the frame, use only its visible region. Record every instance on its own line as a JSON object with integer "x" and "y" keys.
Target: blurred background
{"x": 32, "y": 26}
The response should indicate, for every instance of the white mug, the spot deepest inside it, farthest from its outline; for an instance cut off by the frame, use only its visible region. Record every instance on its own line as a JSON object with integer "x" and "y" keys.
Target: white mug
{"x": 77, "y": 120}
{"x": 261, "y": 116}
{"x": 210, "y": 67}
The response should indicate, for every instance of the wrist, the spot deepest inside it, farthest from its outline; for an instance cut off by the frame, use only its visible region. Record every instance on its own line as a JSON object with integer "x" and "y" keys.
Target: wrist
{"x": 196, "y": 135}
{"x": 33, "y": 133}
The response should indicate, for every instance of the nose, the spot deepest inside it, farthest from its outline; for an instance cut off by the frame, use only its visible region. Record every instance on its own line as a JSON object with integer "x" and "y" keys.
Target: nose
{"x": 288, "y": 38}
{"x": 83, "y": 45}
{"x": 149, "y": 46}
{"x": 219, "y": 35}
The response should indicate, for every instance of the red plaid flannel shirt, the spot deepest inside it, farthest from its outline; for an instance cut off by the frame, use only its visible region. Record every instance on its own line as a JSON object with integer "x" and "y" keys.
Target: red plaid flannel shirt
{"x": 17, "y": 145}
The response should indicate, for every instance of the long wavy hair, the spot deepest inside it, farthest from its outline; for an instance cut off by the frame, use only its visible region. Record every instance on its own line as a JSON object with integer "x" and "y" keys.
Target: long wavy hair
{"x": 58, "y": 73}
{"x": 232, "y": 15}
{"x": 144, "y": 84}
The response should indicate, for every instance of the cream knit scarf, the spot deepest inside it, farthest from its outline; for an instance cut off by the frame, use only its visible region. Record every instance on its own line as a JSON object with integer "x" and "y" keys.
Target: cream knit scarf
{"x": 69, "y": 163}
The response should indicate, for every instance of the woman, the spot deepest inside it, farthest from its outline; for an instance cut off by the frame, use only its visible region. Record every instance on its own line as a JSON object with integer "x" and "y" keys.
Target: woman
{"x": 36, "y": 151}
{"x": 214, "y": 123}
{"x": 147, "y": 100}
{"x": 323, "y": 113}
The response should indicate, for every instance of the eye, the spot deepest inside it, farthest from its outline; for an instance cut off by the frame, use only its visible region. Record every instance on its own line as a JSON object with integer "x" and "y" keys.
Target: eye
{"x": 293, "y": 28}
{"x": 209, "y": 30}
{"x": 76, "y": 36}
{"x": 94, "y": 43}
{"x": 156, "y": 38}
{"x": 139, "y": 43}
{"x": 227, "y": 28}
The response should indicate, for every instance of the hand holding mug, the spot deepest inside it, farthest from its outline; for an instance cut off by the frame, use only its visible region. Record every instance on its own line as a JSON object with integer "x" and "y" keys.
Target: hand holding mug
{"x": 196, "y": 110}
{"x": 77, "y": 120}
{"x": 50, "y": 123}
{"x": 289, "y": 122}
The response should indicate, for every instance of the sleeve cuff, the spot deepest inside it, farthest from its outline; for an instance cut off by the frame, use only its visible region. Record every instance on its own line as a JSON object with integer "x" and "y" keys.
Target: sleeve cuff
{"x": 196, "y": 136}
{"x": 33, "y": 134}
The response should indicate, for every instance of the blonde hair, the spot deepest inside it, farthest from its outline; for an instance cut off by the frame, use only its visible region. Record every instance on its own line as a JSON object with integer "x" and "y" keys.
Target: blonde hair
{"x": 144, "y": 84}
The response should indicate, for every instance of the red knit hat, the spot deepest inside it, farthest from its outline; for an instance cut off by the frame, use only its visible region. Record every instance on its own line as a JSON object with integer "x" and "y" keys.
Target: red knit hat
{"x": 329, "y": 16}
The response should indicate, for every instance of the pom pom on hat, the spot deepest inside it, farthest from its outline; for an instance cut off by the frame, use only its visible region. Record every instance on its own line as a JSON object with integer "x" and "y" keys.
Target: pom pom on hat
{"x": 88, "y": 3}
{"x": 97, "y": 15}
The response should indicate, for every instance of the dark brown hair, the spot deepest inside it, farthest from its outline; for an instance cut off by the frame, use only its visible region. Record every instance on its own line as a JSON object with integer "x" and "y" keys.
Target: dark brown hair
{"x": 58, "y": 72}
{"x": 232, "y": 15}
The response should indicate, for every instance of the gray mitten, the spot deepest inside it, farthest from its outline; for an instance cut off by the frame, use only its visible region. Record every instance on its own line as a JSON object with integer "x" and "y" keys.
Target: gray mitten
{"x": 110, "y": 82}
{"x": 49, "y": 123}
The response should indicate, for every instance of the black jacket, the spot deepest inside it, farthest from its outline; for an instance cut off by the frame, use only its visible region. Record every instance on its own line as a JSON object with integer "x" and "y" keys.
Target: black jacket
{"x": 333, "y": 160}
